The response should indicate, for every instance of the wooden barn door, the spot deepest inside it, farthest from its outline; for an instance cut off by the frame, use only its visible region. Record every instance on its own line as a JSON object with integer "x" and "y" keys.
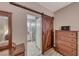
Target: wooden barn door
{"x": 47, "y": 33}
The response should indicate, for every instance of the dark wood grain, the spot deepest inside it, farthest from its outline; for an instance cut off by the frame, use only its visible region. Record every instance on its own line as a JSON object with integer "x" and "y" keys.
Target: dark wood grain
{"x": 47, "y": 33}
{"x": 18, "y": 5}
{"x": 66, "y": 42}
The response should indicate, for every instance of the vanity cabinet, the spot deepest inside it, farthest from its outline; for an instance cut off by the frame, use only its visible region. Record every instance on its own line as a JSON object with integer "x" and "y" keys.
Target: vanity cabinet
{"x": 66, "y": 42}
{"x": 19, "y": 50}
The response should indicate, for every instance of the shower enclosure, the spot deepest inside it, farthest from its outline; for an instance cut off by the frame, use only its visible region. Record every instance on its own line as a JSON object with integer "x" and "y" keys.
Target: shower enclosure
{"x": 34, "y": 35}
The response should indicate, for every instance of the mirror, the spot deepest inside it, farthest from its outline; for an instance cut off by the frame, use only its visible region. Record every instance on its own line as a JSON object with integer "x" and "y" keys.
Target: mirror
{"x": 5, "y": 32}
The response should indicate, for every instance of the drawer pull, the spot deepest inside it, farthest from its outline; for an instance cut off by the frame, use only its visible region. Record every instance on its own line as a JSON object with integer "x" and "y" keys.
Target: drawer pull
{"x": 71, "y": 40}
{"x": 71, "y": 34}
{"x": 72, "y": 51}
{"x": 71, "y": 45}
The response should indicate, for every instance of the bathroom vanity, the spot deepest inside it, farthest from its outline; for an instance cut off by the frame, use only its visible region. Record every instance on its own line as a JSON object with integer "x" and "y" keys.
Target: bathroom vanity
{"x": 19, "y": 50}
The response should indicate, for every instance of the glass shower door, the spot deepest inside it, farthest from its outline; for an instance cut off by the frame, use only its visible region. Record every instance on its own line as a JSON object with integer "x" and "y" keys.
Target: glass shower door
{"x": 33, "y": 41}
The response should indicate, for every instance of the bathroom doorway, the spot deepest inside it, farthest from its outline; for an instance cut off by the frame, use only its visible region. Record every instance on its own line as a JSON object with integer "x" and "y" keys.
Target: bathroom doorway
{"x": 34, "y": 35}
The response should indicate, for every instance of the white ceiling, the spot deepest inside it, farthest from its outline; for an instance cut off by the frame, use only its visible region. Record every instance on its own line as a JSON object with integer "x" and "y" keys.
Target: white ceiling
{"x": 54, "y": 6}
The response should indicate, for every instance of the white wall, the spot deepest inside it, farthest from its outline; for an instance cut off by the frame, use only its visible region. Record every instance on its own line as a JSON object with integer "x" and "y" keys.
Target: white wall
{"x": 18, "y": 20}
{"x": 68, "y": 16}
{"x": 37, "y": 7}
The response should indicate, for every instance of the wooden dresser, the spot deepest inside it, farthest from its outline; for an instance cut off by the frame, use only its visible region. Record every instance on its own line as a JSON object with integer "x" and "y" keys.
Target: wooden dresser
{"x": 66, "y": 42}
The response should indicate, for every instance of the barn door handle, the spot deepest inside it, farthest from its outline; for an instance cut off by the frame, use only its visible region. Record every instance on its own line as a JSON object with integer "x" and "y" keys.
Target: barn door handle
{"x": 43, "y": 32}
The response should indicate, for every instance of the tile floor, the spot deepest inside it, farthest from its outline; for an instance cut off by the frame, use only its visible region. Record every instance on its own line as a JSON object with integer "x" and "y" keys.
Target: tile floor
{"x": 32, "y": 50}
{"x": 52, "y": 52}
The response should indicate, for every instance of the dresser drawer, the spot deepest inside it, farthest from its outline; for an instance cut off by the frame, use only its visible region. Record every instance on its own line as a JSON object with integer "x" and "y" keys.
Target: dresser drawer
{"x": 66, "y": 50}
{"x": 68, "y": 44}
{"x": 67, "y": 39}
{"x": 67, "y": 34}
